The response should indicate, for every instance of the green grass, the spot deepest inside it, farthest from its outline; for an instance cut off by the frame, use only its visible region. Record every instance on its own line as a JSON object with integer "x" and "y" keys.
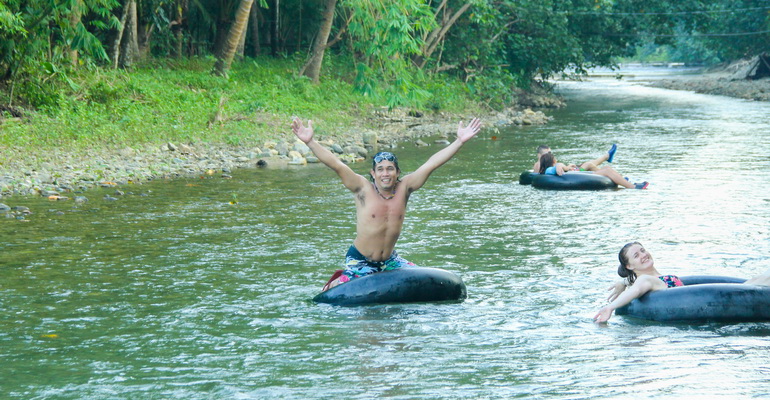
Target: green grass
{"x": 181, "y": 101}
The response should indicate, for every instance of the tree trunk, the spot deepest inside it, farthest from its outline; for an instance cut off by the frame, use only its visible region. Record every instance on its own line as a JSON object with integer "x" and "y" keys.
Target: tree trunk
{"x": 254, "y": 28}
{"x": 145, "y": 29}
{"x": 275, "y": 28}
{"x": 177, "y": 27}
{"x": 133, "y": 38}
{"x": 129, "y": 48}
{"x": 233, "y": 38}
{"x": 313, "y": 67}
{"x": 223, "y": 24}
{"x": 178, "y": 43}
{"x": 115, "y": 56}
{"x": 242, "y": 40}
{"x": 437, "y": 36}
{"x": 75, "y": 16}
{"x": 299, "y": 29}
{"x": 145, "y": 40}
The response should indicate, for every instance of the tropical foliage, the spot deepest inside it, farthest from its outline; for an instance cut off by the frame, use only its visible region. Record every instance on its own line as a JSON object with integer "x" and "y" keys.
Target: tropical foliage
{"x": 396, "y": 47}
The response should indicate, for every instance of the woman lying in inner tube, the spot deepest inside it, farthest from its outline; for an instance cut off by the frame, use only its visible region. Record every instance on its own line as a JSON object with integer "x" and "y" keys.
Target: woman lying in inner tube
{"x": 591, "y": 166}
{"x": 550, "y": 166}
{"x": 637, "y": 267}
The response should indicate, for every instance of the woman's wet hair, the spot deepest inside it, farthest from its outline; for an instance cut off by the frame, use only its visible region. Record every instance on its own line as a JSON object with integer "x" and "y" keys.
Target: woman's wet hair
{"x": 546, "y": 161}
{"x": 623, "y": 258}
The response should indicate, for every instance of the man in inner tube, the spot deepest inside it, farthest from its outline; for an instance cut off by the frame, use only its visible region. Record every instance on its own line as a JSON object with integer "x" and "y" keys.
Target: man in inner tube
{"x": 381, "y": 203}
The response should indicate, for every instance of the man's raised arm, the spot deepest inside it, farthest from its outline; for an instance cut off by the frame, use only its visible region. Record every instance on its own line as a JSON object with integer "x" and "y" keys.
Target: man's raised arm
{"x": 416, "y": 179}
{"x": 350, "y": 179}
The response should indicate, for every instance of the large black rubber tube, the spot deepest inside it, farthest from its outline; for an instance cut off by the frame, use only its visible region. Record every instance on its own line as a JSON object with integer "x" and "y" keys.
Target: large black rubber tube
{"x": 701, "y": 279}
{"x": 573, "y": 181}
{"x": 526, "y": 177}
{"x": 703, "y": 299}
{"x": 403, "y": 285}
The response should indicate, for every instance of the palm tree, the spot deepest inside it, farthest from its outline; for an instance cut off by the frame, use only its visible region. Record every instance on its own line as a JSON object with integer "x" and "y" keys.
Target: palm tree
{"x": 313, "y": 67}
{"x": 225, "y": 57}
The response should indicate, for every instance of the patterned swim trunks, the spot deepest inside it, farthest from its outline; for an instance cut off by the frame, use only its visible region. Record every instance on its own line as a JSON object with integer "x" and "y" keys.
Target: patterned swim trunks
{"x": 356, "y": 265}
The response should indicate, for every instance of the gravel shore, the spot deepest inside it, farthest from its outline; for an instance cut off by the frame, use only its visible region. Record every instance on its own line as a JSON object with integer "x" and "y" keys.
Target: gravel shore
{"x": 758, "y": 90}
{"x": 726, "y": 81}
{"x": 62, "y": 174}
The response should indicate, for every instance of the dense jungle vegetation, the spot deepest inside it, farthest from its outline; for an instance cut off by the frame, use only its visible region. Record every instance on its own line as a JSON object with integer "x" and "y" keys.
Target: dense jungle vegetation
{"x": 94, "y": 71}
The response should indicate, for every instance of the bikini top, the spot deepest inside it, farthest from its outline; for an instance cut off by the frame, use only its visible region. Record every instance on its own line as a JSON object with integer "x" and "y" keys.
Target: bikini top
{"x": 671, "y": 280}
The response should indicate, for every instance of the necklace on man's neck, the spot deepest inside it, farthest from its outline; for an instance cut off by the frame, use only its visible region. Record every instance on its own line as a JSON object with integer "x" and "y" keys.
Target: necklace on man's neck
{"x": 383, "y": 197}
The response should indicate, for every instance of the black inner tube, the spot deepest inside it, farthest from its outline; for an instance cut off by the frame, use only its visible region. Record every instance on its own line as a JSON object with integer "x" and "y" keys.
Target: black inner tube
{"x": 703, "y": 299}
{"x": 402, "y": 285}
{"x": 526, "y": 177}
{"x": 573, "y": 181}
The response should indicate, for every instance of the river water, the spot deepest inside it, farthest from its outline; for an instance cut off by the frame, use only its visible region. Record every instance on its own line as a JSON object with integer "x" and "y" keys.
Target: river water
{"x": 201, "y": 289}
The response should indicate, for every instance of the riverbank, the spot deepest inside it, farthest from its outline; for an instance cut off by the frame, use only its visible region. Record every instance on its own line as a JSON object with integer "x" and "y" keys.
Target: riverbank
{"x": 723, "y": 81}
{"x": 171, "y": 118}
{"x": 67, "y": 174}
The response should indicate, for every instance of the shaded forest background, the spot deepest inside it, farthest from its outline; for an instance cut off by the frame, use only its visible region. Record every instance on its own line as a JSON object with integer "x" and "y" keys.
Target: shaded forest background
{"x": 61, "y": 56}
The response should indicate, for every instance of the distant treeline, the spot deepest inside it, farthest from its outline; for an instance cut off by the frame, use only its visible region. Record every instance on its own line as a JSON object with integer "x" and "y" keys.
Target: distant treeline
{"x": 394, "y": 47}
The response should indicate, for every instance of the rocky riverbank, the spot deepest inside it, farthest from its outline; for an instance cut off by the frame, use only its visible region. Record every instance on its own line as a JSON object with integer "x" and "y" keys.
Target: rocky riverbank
{"x": 66, "y": 175}
{"x": 758, "y": 90}
{"x": 729, "y": 81}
